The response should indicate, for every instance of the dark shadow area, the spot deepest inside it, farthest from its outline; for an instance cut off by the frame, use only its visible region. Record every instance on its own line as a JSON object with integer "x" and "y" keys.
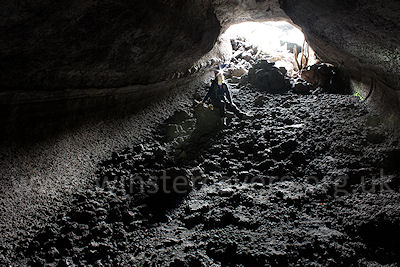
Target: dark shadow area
{"x": 38, "y": 120}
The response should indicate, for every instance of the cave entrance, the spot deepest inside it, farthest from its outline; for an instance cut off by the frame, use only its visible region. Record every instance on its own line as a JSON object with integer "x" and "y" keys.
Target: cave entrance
{"x": 274, "y": 41}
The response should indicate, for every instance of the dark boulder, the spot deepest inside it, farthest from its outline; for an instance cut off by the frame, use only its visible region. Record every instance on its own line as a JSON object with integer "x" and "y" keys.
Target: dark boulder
{"x": 175, "y": 180}
{"x": 302, "y": 87}
{"x": 327, "y": 77}
{"x": 265, "y": 77}
{"x": 207, "y": 121}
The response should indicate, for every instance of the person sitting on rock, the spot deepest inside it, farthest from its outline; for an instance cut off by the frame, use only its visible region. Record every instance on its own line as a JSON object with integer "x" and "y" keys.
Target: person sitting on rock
{"x": 220, "y": 95}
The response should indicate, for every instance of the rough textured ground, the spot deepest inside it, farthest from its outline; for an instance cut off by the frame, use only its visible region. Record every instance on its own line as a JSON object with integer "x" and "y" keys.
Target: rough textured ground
{"x": 293, "y": 185}
{"x": 38, "y": 179}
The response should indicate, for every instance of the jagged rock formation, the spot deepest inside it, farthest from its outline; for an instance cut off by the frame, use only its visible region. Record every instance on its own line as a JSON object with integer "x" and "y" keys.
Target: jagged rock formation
{"x": 83, "y": 44}
{"x": 64, "y": 60}
{"x": 361, "y": 37}
{"x": 356, "y": 35}
{"x": 111, "y": 44}
{"x": 103, "y": 44}
{"x": 275, "y": 189}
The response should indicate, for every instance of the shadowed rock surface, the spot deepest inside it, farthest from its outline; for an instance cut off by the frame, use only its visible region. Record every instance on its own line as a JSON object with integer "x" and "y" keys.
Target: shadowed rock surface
{"x": 353, "y": 34}
{"x": 84, "y": 44}
{"x": 102, "y": 44}
{"x": 80, "y": 80}
{"x": 51, "y": 51}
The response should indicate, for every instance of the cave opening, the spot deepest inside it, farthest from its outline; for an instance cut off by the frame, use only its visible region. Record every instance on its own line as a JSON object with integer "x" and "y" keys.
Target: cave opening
{"x": 123, "y": 163}
{"x": 274, "y": 41}
{"x": 275, "y": 57}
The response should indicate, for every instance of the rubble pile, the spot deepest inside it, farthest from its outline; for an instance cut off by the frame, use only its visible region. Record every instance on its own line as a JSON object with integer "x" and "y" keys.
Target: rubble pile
{"x": 276, "y": 73}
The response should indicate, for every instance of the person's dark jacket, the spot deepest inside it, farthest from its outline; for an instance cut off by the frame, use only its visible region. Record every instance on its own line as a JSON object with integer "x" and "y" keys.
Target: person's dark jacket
{"x": 218, "y": 93}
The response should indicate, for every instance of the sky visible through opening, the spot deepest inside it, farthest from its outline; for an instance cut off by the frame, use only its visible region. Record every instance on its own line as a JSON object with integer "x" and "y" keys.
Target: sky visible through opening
{"x": 275, "y": 39}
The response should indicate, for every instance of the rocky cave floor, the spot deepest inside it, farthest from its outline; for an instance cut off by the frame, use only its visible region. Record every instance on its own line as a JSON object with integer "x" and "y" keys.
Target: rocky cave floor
{"x": 306, "y": 180}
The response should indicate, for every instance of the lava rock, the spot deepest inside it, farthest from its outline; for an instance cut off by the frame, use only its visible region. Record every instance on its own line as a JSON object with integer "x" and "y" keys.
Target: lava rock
{"x": 375, "y": 136}
{"x": 239, "y": 72}
{"x": 222, "y": 251}
{"x": 175, "y": 180}
{"x": 178, "y": 117}
{"x": 328, "y": 77}
{"x": 265, "y": 77}
{"x": 207, "y": 121}
{"x": 301, "y": 87}
{"x": 226, "y": 192}
{"x": 259, "y": 102}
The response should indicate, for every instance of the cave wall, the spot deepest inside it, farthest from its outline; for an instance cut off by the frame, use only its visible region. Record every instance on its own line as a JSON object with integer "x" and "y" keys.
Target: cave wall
{"x": 361, "y": 37}
{"x": 86, "y": 56}
{"x": 50, "y": 45}
{"x": 65, "y": 62}
{"x": 38, "y": 178}
{"x": 102, "y": 44}
{"x": 61, "y": 60}
{"x": 358, "y": 35}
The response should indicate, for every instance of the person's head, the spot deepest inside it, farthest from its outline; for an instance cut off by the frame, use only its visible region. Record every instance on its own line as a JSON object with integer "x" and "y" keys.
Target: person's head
{"x": 219, "y": 76}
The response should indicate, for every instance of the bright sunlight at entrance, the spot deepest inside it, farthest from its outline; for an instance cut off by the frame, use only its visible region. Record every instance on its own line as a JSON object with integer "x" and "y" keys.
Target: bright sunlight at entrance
{"x": 275, "y": 41}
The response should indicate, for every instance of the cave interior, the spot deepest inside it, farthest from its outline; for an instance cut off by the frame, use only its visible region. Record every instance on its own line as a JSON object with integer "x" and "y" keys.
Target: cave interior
{"x": 109, "y": 157}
